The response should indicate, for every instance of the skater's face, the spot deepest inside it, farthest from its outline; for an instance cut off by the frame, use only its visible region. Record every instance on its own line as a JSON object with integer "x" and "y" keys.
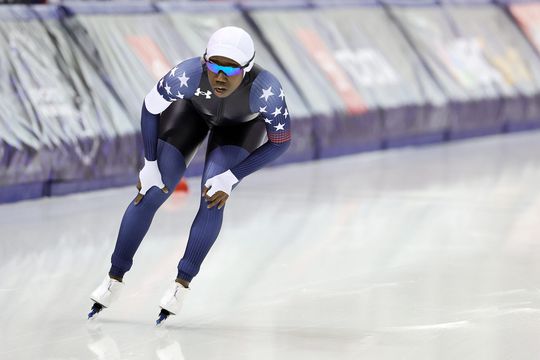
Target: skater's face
{"x": 222, "y": 84}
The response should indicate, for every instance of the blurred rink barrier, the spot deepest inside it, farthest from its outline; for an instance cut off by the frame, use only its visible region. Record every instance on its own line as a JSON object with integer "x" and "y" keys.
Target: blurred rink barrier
{"x": 358, "y": 75}
{"x": 485, "y": 66}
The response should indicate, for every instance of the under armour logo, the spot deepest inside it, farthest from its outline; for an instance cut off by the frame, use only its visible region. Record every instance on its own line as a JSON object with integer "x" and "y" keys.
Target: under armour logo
{"x": 207, "y": 94}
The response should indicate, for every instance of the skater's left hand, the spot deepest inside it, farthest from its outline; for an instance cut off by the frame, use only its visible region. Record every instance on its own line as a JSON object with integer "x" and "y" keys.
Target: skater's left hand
{"x": 218, "y": 188}
{"x": 218, "y": 198}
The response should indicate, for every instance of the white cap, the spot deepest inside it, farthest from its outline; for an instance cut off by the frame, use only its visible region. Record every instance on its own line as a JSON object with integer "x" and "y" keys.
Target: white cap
{"x": 234, "y": 43}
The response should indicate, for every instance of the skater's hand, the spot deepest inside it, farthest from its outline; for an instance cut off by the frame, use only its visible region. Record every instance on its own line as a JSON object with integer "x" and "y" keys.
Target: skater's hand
{"x": 218, "y": 198}
{"x": 218, "y": 188}
{"x": 148, "y": 177}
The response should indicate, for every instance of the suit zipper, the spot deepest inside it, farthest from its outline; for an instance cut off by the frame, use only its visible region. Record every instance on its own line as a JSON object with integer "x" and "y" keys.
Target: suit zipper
{"x": 220, "y": 109}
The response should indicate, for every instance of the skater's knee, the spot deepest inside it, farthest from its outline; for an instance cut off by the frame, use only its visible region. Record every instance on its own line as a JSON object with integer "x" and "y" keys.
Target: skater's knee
{"x": 172, "y": 179}
{"x": 154, "y": 198}
{"x": 203, "y": 208}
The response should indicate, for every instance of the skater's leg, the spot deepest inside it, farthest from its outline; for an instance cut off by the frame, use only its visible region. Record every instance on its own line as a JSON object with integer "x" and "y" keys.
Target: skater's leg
{"x": 137, "y": 218}
{"x": 227, "y": 147}
{"x": 203, "y": 234}
{"x": 181, "y": 131}
{"x": 207, "y": 223}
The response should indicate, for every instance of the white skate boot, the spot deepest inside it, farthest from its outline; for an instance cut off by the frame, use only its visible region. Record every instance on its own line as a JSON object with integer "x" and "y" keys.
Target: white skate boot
{"x": 172, "y": 301}
{"x": 105, "y": 295}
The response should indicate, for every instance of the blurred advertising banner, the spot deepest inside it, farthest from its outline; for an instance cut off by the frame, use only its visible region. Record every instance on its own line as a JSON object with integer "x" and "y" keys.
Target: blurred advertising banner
{"x": 486, "y": 71}
{"x": 301, "y": 39}
{"x": 527, "y": 16}
{"x": 107, "y": 137}
{"x": 359, "y": 75}
{"x": 69, "y": 122}
{"x": 207, "y": 18}
{"x": 150, "y": 54}
{"x": 512, "y": 56}
{"x": 24, "y": 151}
{"x": 386, "y": 72}
{"x": 329, "y": 65}
{"x": 134, "y": 43}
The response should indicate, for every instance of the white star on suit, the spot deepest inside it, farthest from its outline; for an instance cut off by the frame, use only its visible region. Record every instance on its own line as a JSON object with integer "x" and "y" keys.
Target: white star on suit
{"x": 173, "y": 70}
{"x": 286, "y": 113}
{"x": 183, "y": 80}
{"x": 280, "y": 127}
{"x": 277, "y": 112}
{"x": 268, "y": 121}
{"x": 161, "y": 83}
{"x": 179, "y": 95}
{"x": 281, "y": 94}
{"x": 267, "y": 93}
{"x": 262, "y": 109}
{"x": 168, "y": 89}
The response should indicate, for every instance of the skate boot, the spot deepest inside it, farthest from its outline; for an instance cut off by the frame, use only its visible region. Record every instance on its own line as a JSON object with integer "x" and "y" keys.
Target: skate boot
{"x": 171, "y": 302}
{"x": 104, "y": 295}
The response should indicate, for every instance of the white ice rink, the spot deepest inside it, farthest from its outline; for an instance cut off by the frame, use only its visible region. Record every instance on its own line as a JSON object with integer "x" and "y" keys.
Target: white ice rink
{"x": 423, "y": 254}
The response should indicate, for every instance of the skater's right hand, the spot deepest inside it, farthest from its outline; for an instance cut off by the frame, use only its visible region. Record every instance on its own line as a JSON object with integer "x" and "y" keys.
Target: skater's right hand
{"x": 148, "y": 177}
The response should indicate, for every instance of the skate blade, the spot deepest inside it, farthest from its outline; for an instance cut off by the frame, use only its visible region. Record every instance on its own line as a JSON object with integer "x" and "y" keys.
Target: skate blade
{"x": 96, "y": 309}
{"x": 161, "y": 320}
{"x": 92, "y": 315}
{"x": 163, "y": 315}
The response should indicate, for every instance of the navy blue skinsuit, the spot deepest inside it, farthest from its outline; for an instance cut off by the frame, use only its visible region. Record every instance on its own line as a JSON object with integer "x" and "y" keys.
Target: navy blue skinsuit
{"x": 177, "y": 115}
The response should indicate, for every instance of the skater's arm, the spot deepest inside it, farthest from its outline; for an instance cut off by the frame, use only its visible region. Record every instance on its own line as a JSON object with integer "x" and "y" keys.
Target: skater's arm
{"x": 149, "y": 130}
{"x": 265, "y": 154}
{"x": 268, "y": 99}
{"x": 179, "y": 83}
